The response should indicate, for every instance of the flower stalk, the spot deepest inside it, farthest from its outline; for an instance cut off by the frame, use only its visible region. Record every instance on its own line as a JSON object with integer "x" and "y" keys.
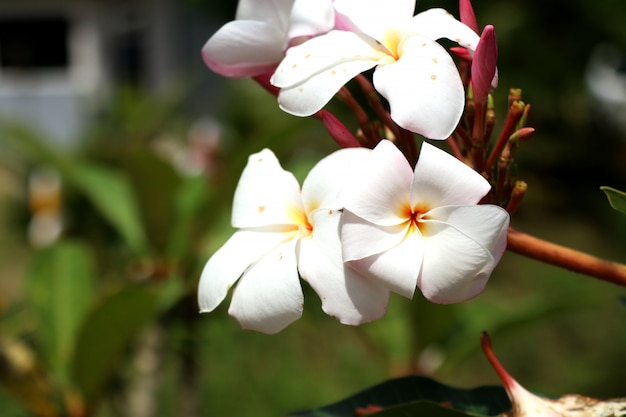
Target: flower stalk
{"x": 564, "y": 257}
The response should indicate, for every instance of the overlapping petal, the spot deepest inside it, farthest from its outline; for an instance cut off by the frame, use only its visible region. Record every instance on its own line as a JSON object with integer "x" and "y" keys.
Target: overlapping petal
{"x": 226, "y": 265}
{"x": 423, "y": 87}
{"x": 310, "y": 17}
{"x": 442, "y": 180}
{"x": 380, "y": 194}
{"x": 312, "y": 73}
{"x": 324, "y": 183}
{"x": 486, "y": 224}
{"x": 397, "y": 268}
{"x": 346, "y": 295}
{"x": 266, "y": 193}
{"x": 456, "y": 267}
{"x": 366, "y": 14}
{"x": 265, "y": 306}
{"x": 362, "y": 239}
{"x": 274, "y": 12}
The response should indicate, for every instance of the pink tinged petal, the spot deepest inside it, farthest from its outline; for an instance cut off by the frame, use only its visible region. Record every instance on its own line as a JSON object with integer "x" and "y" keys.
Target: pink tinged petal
{"x": 226, "y": 265}
{"x": 468, "y": 17}
{"x": 324, "y": 183}
{"x": 361, "y": 239}
{"x": 442, "y": 180}
{"x": 484, "y": 65}
{"x": 438, "y": 23}
{"x": 346, "y": 295}
{"x": 244, "y": 49}
{"x": 311, "y": 17}
{"x": 456, "y": 267}
{"x": 274, "y": 12}
{"x": 484, "y": 223}
{"x": 266, "y": 194}
{"x": 374, "y": 16}
{"x": 423, "y": 87}
{"x": 268, "y": 296}
{"x": 398, "y": 268}
{"x": 380, "y": 190}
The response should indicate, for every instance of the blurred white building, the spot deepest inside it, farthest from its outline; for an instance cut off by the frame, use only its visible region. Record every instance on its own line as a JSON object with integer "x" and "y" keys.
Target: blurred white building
{"x": 59, "y": 59}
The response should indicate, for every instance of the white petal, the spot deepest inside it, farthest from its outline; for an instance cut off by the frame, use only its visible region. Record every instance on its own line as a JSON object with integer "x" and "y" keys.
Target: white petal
{"x": 442, "y": 180}
{"x": 268, "y": 296}
{"x": 456, "y": 267}
{"x": 423, "y": 87}
{"x": 346, "y": 295}
{"x": 484, "y": 223}
{"x": 380, "y": 191}
{"x": 322, "y": 54}
{"x": 266, "y": 194}
{"x": 398, "y": 268}
{"x": 311, "y": 17}
{"x": 374, "y": 16}
{"x": 324, "y": 183}
{"x": 361, "y": 239}
{"x": 274, "y": 12}
{"x": 226, "y": 265}
{"x": 438, "y": 24}
{"x": 244, "y": 49}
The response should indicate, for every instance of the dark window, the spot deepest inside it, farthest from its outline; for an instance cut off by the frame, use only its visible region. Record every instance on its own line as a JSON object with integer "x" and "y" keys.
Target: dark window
{"x": 33, "y": 43}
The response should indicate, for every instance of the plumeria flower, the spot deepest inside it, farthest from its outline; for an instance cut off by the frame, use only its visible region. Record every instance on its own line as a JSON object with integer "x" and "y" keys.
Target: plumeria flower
{"x": 413, "y": 72}
{"x": 255, "y": 42}
{"x": 423, "y": 227}
{"x": 284, "y": 232}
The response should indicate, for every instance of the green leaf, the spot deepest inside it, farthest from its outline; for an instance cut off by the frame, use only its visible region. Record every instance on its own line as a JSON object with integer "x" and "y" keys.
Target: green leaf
{"x": 617, "y": 198}
{"x": 111, "y": 194}
{"x": 106, "y": 333}
{"x": 59, "y": 288}
{"x": 415, "y": 395}
{"x": 189, "y": 199}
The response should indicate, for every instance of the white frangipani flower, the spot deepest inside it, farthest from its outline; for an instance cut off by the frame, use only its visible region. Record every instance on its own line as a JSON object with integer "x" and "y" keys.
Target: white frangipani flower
{"x": 284, "y": 232}
{"x": 423, "y": 227}
{"x": 413, "y": 72}
{"x": 255, "y": 42}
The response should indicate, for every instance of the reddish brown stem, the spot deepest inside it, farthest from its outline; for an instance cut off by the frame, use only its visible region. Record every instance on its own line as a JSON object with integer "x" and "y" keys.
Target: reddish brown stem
{"x": 570, "y": 259}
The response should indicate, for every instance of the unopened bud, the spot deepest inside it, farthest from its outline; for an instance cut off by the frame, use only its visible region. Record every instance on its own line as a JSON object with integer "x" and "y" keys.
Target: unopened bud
{"x": 337, "y": 130}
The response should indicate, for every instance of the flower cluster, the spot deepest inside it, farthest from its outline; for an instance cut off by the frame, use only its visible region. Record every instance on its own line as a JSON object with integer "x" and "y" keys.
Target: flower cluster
{"x": 369, "y": 220}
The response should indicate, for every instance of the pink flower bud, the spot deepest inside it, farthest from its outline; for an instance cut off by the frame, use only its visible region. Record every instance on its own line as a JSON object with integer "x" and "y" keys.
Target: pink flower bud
{"x": 467, "y": 14}
{"x": 484, "y": 64}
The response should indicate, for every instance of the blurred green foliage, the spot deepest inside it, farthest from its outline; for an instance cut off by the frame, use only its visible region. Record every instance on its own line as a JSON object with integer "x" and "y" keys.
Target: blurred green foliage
{"x": 104, "y": 321}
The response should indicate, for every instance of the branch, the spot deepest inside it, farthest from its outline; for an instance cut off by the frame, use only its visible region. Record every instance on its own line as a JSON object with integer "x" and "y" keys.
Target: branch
{"x": 573, "y": 260}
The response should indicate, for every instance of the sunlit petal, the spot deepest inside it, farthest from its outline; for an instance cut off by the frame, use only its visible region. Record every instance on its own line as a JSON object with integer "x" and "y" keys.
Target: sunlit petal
{"x": 266, "y": 193}
{"x": 346, "y": 295}
{"x": 398, "y": 268}
{"x": 337, "y": 55}
{"x": 227, "y": 264}
{"x": 244, "y": 49}
{"x": 442, "y": 180}
{"x": 381, "y": 189}
{"x": 456, "y": 267}
{"x": 438, "y": 24}
{"x": 269, "y": 297}
{"x": 423, "y": 87}
{"x": 324, "y": 183}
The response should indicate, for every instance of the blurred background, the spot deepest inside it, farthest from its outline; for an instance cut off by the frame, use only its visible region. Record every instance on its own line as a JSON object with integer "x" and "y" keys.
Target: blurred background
{"x": 119, "y": 156}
